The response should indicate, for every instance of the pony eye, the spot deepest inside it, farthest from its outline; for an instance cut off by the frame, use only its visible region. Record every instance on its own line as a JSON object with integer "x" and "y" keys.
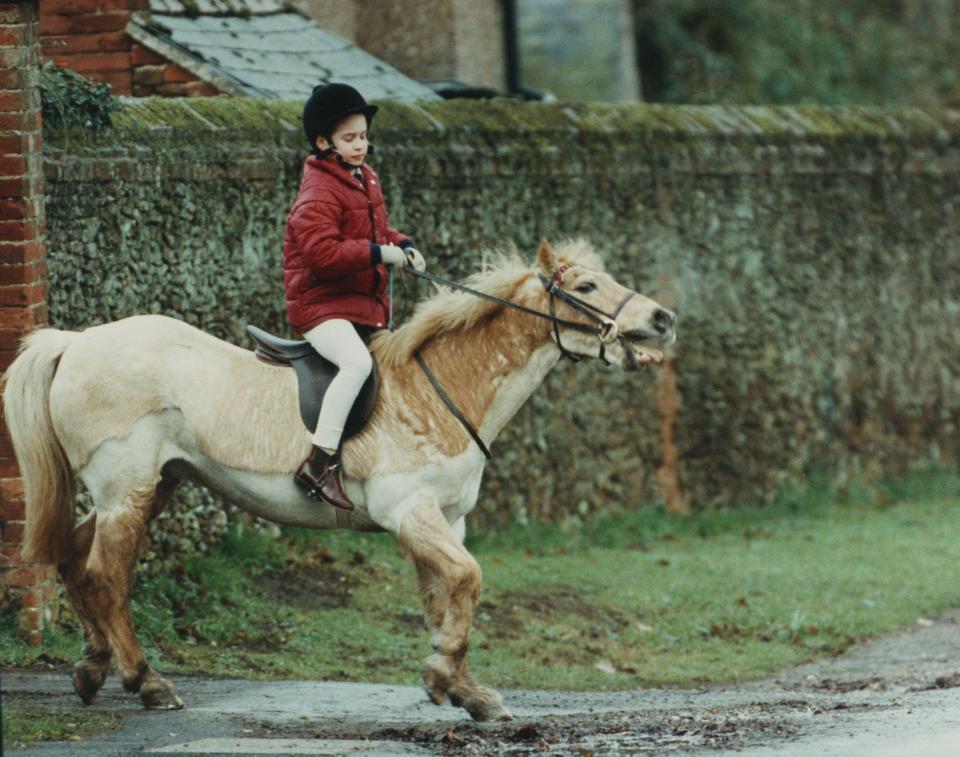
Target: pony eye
{"x": 586, "y": 287}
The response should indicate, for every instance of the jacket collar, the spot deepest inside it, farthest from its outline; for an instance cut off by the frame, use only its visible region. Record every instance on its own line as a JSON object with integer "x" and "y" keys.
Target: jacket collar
{"x": 335, "y": 168}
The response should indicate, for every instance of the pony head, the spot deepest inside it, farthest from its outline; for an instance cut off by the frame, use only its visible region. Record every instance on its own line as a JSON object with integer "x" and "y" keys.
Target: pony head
{"x": 631, "y": 329}
{"x": 635, "y": 328}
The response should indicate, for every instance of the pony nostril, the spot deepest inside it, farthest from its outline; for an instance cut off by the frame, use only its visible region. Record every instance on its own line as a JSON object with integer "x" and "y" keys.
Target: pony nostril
{"x": 663, "y": 320}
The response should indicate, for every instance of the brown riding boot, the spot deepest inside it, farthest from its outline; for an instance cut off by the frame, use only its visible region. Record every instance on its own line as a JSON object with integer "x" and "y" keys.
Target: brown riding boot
{"x": 319, "y": 474}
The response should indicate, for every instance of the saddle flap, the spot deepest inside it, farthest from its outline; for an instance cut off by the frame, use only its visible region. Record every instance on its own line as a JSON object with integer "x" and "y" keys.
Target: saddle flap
{"x": 314, "y": 374}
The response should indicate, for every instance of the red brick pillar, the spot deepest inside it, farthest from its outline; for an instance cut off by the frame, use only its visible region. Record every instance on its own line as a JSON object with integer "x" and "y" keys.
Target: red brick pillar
{"x": 22, "y": 281}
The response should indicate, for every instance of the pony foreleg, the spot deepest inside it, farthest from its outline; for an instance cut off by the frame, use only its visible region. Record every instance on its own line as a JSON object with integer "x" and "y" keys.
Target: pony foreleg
{"x": 449, "y": 580}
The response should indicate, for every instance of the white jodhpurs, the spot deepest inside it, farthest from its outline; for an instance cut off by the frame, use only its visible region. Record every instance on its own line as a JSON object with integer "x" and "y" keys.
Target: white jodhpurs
{"x": 337, "y": 340}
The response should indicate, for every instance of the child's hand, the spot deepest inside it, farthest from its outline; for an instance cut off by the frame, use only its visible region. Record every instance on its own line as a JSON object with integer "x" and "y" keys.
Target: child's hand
{"x": 415, "y": 259}
{"x": 392, "y": 255}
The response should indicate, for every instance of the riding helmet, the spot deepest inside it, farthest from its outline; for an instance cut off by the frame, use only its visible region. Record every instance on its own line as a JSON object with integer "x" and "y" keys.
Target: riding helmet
{"x": 328, "y": 105}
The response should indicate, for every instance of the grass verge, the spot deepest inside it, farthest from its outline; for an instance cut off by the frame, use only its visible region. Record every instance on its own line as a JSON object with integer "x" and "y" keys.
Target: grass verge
{"x": 25, "y": 723}
{"x": 643, "y": 599}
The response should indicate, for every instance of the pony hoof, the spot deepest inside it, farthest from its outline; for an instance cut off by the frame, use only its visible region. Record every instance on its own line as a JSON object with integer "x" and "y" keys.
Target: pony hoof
{"x": 158, "y": 695}
{"x": 486, "y": 711}
{"x": 482, "y": 704}
{"x": 158, "y": 702}
{"x": 86, "y": 682}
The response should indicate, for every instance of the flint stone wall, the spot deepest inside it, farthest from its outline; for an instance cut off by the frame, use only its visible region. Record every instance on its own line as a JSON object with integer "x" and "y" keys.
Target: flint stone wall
{"x": 812, "y": 255}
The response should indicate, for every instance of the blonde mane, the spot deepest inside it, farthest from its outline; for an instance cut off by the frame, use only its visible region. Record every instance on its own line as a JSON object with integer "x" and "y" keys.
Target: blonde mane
{"x": 449, "y": 311}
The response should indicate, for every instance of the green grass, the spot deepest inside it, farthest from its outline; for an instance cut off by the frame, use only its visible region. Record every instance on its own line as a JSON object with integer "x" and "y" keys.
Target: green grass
{"x": 31, "y": 723}
{"x": 652, "y": 599}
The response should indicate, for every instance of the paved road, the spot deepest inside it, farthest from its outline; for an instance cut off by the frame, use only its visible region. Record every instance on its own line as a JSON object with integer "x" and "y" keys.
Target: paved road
{"x": 894, "y": 696}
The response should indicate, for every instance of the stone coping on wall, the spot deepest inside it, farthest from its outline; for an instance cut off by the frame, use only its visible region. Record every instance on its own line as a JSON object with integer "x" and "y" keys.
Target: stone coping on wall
{"x": 502, "y": 115}
{"x": 724, "y": 139}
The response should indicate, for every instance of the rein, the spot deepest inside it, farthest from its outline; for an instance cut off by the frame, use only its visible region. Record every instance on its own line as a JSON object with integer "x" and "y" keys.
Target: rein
{"x": 576, "y": 326}
{"x": 452, "y": 406}
{"x": 604, "y": 328}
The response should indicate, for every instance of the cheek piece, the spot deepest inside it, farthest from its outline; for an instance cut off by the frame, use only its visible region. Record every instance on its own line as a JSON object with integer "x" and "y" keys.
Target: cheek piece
{"x": 607, "y": 330}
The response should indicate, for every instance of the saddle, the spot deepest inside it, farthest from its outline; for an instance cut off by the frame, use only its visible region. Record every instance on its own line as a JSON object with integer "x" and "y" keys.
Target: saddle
{"x": 314, "y": 375}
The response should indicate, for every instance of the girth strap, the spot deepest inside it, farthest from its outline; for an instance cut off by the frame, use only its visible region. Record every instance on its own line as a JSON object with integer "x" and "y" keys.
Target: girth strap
{"x": 452, "y": 407}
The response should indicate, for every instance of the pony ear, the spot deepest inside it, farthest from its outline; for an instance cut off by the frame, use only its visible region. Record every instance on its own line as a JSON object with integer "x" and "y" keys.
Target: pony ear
{"x": 547, "y": 258}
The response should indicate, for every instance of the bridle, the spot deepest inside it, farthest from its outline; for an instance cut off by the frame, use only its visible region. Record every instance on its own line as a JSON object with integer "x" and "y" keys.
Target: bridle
{"x": 604, "y": 325}
{"x": 607, "y": 329}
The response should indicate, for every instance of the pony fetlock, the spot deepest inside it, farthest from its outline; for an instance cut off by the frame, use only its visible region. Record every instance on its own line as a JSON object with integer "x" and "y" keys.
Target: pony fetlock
{"x": 89, "y": 675}
{"x": 438, "y": 675}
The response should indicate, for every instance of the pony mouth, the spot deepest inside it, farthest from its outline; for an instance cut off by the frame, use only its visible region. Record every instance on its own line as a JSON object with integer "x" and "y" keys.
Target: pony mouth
{"x": 642, "y": 353}
{"x": 647, "y": 355}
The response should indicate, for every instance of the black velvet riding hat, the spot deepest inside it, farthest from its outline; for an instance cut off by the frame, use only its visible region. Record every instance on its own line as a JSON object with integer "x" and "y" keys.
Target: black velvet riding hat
{"x": 328, "y": 105}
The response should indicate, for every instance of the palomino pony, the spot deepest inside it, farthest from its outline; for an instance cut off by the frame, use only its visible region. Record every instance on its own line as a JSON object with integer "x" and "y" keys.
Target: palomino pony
{"x": 135, "y": 406}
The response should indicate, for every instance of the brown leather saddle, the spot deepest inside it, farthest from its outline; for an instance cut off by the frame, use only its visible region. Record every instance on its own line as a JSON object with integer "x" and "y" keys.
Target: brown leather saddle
{"x": 314, "y": 375}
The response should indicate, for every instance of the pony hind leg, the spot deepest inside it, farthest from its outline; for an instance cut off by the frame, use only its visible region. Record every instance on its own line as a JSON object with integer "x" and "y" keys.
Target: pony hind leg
{"x": 107, "y": 582}
{"x": 449, "y": 579}
{"x": 90, "y": 672}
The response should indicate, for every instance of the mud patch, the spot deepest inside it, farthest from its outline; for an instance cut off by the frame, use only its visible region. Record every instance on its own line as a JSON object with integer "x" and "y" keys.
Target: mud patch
{"x": 559, "y": 599}
{"x": 409, "y": 621}
{"x": 499, "y": 621}
{"x": 732, "y": 728}
{"x": 505, "y": 617}
{"x": 941, "y": 682}
{"x": 308, "y": 588}
{"x": 842, "y": 687}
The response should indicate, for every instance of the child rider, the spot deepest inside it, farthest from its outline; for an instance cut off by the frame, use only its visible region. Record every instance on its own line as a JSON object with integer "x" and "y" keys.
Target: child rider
{"x": 335, "y": 249}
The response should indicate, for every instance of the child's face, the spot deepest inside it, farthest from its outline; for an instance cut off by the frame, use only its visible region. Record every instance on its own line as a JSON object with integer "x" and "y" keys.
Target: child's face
{"x": 349, "y": 139}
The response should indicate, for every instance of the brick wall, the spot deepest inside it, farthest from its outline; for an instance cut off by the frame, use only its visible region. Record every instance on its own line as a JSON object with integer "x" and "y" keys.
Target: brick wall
{"x": 89, "y": 37}
{"x": 155, "y": 75}
{"x": 22, "y": 279}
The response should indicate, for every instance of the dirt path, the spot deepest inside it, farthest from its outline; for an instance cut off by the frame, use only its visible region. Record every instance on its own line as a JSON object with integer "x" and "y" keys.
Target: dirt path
{"x": 899, "y": 695}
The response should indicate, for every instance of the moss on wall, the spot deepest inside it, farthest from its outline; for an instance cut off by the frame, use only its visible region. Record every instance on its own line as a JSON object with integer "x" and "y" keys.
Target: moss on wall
{"x": 810, "y": 252}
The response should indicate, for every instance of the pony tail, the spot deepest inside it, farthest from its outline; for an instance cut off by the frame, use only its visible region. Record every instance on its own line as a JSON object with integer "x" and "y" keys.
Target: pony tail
{"x": 49, "y": 487}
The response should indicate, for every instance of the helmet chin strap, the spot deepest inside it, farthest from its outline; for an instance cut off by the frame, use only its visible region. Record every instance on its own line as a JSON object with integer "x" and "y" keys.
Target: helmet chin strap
{"x": 331, "y": 150}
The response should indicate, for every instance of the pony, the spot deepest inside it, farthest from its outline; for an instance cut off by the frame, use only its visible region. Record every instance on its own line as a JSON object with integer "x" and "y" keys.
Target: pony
{"x": 136, "y": 406}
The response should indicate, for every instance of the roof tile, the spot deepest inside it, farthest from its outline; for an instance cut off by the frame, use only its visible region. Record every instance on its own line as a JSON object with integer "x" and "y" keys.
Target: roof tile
{"x": 266, "y": 50}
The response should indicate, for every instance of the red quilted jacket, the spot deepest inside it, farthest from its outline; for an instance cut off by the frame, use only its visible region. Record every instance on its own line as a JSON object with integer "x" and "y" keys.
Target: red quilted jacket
{"x": 328, "y": 265}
